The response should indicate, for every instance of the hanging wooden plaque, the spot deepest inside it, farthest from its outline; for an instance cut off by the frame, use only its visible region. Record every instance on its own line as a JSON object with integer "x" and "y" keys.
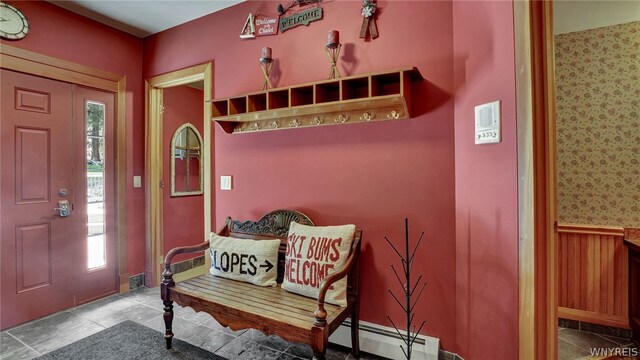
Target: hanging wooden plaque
{"x": 266, "y": 25}
{"x": 300, "y": 18}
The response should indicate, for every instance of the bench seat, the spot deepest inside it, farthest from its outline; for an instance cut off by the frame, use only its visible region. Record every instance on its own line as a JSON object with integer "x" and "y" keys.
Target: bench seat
{"x": 272, "y": 310}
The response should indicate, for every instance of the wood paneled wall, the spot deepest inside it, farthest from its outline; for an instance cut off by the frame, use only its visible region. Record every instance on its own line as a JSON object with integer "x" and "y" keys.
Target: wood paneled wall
{"x": 593, "y": 274}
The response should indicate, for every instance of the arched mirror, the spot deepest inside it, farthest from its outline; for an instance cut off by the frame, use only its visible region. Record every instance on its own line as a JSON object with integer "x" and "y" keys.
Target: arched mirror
{"x": 186, "y": 161}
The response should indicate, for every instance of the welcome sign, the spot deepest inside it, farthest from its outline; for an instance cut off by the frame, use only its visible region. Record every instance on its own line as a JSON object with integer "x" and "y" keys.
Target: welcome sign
{"x": 300, "y": 18}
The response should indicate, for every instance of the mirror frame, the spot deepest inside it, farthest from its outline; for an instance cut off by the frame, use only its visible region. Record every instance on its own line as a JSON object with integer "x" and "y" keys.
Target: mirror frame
{"x": 173, "y": 162}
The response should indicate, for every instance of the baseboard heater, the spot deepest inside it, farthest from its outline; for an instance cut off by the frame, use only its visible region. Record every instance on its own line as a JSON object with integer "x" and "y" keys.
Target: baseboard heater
{"x": 385, "y": 341}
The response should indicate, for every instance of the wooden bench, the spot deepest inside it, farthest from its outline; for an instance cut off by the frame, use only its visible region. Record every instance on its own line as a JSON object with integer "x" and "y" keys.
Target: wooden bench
{"x": 270, "y": 310}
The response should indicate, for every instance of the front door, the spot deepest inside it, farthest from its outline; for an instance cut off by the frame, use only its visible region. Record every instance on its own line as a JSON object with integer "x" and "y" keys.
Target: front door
{"x": 43, "y": 200}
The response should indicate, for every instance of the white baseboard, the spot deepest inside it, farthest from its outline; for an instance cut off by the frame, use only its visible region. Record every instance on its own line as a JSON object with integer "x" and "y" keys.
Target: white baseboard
{"x": 385, "y": 341}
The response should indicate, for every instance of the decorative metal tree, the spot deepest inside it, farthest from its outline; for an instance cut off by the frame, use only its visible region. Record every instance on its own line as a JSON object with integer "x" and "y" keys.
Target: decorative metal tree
{"x": 408, "y": 291}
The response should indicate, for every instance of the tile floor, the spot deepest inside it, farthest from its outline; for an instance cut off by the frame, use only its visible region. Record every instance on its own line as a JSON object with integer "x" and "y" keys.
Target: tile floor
{"x": 575, "y": 344}
{"x": 144, "y": 306}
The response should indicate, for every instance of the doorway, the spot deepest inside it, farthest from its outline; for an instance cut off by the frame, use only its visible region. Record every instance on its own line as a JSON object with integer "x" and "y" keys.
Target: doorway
{"x": 52, "y": 257}
{"x": 155, "y": 185}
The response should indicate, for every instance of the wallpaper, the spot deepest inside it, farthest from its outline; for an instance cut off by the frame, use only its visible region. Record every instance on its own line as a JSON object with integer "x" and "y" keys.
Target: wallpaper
{"x": 598, "y": 125}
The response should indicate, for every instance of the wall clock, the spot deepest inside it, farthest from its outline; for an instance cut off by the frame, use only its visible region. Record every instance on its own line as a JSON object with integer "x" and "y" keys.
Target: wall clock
{"x": 13, "y": 23}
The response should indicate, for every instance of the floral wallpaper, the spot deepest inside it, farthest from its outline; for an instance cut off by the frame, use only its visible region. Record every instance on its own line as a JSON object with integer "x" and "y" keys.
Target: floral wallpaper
{"x": 598, "y": 125}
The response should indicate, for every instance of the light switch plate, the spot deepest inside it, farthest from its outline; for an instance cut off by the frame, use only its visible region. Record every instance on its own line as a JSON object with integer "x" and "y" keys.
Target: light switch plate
{"x": 226, "y": 182}
{"x": 137, "y": 181}
{"x": 487, "y": 119}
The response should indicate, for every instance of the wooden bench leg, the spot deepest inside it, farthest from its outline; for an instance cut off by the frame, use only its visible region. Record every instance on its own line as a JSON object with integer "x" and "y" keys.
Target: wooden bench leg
{"x": 168, "y": 321}
{"x": 318, "y": 355}
{"x": 355, "y": 332}
{"x": 319, "y": 346}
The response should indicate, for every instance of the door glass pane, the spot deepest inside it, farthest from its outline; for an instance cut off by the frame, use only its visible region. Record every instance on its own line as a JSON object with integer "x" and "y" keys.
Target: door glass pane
{"x": 96, "y": 242}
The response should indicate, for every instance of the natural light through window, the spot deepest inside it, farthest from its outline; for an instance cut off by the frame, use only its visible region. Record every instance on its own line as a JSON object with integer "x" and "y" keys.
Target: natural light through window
{"x": 96, "y": 242}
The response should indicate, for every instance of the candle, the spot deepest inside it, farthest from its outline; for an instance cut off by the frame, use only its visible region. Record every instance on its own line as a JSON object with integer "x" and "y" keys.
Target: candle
{"x": 266, "y": 52}
{"x": 333, "y": 38}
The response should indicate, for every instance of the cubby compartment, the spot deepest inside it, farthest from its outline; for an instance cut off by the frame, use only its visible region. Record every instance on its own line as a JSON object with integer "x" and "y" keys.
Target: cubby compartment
{"x": 357, "y": 88}
{"x": 238, "y": 105}
{"x": 257, "y": 102}
{"x": 327, "y": 92}
{"x": 302, "y": 95}
{"x": 278, "y": 99}
{"x": 385, "y": 84}
{"x": 219, "y": 108}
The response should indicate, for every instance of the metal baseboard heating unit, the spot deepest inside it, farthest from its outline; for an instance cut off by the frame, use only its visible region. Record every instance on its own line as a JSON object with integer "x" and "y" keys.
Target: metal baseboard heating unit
{"x": 385, "y": 341}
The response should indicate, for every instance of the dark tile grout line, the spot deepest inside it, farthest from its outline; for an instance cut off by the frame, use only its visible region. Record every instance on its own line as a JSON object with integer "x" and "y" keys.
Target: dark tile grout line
{"x": 23, "y": 343}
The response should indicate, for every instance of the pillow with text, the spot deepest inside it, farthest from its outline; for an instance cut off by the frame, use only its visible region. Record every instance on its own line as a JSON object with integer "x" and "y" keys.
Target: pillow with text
{"x": 313, "y": 253}
{"x": 252, "y": 261}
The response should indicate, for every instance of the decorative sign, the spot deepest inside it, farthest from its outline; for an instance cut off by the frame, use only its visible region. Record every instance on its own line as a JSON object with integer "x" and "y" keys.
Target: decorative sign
{"x": 249, "y": 28}
{"x": 301, "y": 18}
{"x": 369, "y": 20}
{"x": 265, "y": 26}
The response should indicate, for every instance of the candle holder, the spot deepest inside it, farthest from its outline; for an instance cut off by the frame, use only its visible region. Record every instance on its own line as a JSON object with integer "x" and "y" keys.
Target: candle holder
{"x": 266, "y": 63}
{"x": 333, "y": 52}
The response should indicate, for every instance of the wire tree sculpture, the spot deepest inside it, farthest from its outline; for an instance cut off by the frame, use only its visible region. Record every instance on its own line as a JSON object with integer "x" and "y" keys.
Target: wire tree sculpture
{"x": 408, "y": 290}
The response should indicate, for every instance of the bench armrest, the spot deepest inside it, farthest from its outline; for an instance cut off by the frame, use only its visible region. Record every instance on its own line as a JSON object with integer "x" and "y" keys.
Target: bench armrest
{"x": 167, "y": 274}
{"x": 321, "y": 314}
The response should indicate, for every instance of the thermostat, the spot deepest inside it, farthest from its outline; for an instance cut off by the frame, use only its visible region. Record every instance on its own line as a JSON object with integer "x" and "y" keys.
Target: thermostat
{"x": 488, "y": 123}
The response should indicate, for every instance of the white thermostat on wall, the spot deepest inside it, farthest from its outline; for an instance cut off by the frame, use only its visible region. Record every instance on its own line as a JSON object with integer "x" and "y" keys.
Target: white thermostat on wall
{"x": 488, "y": 123}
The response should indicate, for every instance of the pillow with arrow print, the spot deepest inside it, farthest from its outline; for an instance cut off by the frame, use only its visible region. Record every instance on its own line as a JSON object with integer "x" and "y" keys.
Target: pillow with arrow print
{"x": 252, "y": 261}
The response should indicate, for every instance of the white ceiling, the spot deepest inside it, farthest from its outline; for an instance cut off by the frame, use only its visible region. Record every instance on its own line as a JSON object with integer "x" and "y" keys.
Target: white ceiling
{"x": 576, "y": 15}
{"x": 144, "y": 17}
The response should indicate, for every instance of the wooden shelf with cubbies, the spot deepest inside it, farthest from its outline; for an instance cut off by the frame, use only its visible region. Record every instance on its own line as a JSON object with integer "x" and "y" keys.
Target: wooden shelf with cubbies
{"x": 369, "y": 97}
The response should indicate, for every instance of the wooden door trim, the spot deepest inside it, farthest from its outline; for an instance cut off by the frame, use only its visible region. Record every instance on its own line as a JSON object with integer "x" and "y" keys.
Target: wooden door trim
{"x": 537, "y": 196}
{"x": 153, "y": 159}
{"x": 28, "y": 62}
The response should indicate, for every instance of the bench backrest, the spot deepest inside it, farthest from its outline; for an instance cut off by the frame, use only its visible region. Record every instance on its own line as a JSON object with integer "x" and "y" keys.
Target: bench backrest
{"x": 275, "y": 225}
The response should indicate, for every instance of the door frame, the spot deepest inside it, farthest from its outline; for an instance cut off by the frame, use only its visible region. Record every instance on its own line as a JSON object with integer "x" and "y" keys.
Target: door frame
{"x": 537, "y": 189}
{"x": 32, "y": 63}
{"x": 153, "y": 160}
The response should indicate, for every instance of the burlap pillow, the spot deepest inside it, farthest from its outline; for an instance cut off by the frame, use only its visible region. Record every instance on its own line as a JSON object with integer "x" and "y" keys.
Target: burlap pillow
{"x": 313, "y": 252}
{"x": 252, "y": 261}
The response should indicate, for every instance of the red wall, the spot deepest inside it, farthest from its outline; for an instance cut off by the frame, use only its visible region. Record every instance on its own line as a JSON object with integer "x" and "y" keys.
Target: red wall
{"x": 183, "y": 216}
{"x": 427, "y": 168}
{"x": 62, "y": 34}
{"x": 373, "y": 175}
{"x": 486, "y": 184}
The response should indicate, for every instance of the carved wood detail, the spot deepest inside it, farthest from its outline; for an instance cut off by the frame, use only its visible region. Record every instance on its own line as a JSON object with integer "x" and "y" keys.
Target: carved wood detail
{"x": 274, "y": 223}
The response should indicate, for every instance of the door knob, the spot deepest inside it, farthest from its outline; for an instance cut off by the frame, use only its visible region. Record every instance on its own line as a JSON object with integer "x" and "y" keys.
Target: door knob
{"x": 64, "y": 209}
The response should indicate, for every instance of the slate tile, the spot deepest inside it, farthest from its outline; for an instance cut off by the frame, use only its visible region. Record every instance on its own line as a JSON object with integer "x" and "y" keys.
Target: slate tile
{"x": 206, "y": 338}
{"x": 585, "y": 340}
{"x": 241, "y": 348}
{"x": 146, "y": 296}
{"x": 23, "y": 353}
{"x": 271, "y": 341}
{"x": 55, "y": 331}
{"x": 567, "y": 351}
{"x": 8, "y": 343}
